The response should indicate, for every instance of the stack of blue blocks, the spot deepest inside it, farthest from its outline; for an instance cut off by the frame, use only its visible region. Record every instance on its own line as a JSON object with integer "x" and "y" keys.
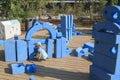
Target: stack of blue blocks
{"x": 106, "y": 59}
{"x": 67, "y": 26}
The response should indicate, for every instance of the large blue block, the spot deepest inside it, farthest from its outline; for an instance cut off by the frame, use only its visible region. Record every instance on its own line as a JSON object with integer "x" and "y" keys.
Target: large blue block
{"x": 64, "y": 24}
{"x": 63, "y": 47}
{"x": 22, "y": 53}
{"x": 106, "y": 63}
{"x": 99, "y": 74}
{"x": 30, "y": 68}
{"x": 30, "y": 50}
{"x": 107, "y": 27}
{"x": 108, "y": 38}
{"x": 18, "y": 68}
{"x": 110, "y": 50}
{"x": 49, "y": 47}
{"x": 80, "y": 52}
{"x": 89, "y": 45}
{"x": 10, "y": 51}
{"x": 58, "y": 47}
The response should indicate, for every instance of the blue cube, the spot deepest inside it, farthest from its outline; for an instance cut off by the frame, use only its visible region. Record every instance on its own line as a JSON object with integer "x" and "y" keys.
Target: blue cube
{"x": 30, "y": 68}
{"x": 18, "y": 68}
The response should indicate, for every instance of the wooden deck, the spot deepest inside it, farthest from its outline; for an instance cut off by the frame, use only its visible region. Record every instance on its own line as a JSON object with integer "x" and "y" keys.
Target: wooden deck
{"x": 69, "y": 68}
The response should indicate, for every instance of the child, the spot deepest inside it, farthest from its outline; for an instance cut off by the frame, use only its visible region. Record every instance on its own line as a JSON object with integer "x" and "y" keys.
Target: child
{"x": 40, "y": 52}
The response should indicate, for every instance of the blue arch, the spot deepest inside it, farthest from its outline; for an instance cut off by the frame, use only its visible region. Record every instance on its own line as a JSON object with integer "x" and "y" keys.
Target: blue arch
{"x": 39, "y": 26}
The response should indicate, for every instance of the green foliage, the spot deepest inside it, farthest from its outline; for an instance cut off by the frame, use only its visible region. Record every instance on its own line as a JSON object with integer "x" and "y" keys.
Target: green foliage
{"x": 22, "y": 9}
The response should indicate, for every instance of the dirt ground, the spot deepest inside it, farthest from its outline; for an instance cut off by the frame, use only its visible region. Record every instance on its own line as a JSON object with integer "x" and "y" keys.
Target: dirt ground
{"x": 69, "y": 68}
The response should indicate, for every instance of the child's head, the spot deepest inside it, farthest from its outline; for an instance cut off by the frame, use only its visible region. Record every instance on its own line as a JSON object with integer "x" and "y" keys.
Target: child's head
{"x": 38, "y": 45}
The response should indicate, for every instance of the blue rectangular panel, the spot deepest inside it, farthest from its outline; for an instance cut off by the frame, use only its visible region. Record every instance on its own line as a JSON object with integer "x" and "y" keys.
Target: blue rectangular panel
{"x": 64, "y": 24}
{"x": 110, "y": 50}
{"x": 63, "y": 47}
{"x": 57, "y": 53}
{"x": 99, "y": 74}
{"x": 10, "y": 51}
{"x": 106, "y": 63}
{"x": 49, "y": 48}
{"x": 108, "y": 38}
{"x": 22, "y": 53}
{"x": 31, "y": 50}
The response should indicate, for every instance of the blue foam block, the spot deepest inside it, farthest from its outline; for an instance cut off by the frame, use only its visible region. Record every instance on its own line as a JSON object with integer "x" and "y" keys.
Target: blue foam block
{"x": 64, "y": 24}
{"x": 89, "y": 45}
{"x": 113, "y": 28}
{"x": 77, "y": 33}
{"x": 2, "y": 42}
{"x": 68, "y": 51}
{"x": 99, "y": 74}
{"x": 49, "y": 48}
{"x": 30, "y": 50}
{"x": 111, "y": 13}
{"x": 110, "y": 50}
{"x": 80, "y": 52}
{"x": 18, "y": 68}
{"x": 10, "y": 51}
{"x": 106, "y": 63}
{"x": 30, "y": 68}
{"x": 22, "y": 53}
{"x": 108, "y": 38}
{"x": 58, "y": 47}
{"x": 31, "y": 78}
{"x": 59, "y": 34}
{"x": 39, "y": 26}
{"x": 63, "y": 47}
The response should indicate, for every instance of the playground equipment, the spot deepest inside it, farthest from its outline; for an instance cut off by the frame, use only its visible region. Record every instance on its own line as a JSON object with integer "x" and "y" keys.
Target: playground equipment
{"x": 67, "y": 27}
{"x": 106, "y": 59}
{"x": 24, "y": 49}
